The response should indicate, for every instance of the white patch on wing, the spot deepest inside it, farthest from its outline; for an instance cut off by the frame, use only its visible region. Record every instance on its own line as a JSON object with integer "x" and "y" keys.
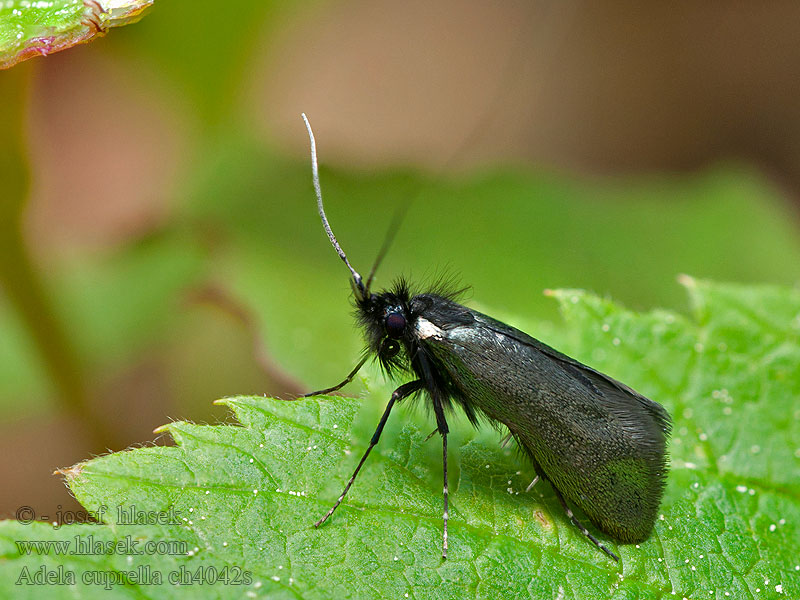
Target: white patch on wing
{"x": 426, "y": 329}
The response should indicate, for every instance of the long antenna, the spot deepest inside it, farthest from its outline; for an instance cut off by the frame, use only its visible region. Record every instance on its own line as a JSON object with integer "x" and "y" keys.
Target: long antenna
{"x": 358, "y": 286}
{"x": 390, "y": 234}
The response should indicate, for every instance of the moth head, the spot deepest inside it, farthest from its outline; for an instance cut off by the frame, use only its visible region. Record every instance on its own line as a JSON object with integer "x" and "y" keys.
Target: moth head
{"x": 394, "y": 327}
{"x": 385, "y": 320}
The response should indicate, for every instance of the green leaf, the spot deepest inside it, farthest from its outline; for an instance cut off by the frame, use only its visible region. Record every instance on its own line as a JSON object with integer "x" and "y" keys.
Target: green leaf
{"x": 37, "y": 28}
{"x": 245, "y": 497}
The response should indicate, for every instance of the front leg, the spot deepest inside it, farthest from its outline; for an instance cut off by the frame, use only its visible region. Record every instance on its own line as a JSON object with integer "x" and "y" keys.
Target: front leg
{"x": 340, "y": 385}
{"x": 445, "y": 515}
{"x": 443, "y": 429}
{"x": 403, "y": 391}
{"x": 437, "y": 395}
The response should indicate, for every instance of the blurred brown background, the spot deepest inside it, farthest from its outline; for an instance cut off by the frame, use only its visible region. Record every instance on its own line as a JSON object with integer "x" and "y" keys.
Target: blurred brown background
{"x": 597, "y": 86}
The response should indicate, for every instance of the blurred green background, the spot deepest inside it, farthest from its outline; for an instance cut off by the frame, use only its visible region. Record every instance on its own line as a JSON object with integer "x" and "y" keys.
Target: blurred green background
{"x": 160, "y": 246}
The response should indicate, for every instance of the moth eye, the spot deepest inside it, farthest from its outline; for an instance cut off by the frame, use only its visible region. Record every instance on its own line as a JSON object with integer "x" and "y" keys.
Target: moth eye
{"x": 395, "y": 324}
{"x": 390, "y": 348}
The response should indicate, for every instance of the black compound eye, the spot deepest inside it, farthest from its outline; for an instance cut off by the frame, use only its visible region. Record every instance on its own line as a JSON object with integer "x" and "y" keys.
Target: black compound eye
{"x": 395, "y": 324}
{"x": 390, "y": 349}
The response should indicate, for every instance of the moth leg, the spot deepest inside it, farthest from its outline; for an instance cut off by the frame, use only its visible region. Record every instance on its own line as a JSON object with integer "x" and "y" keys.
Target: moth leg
{"x": 532, "y": 483}
{"x": 339, "y": 386}
{"x": 441, "y": 426}
{"x": 580, "y": 525}
{"x": 403, "y": 391}
{"x": 506, "y": 439}
{"x": 445, "y": 515}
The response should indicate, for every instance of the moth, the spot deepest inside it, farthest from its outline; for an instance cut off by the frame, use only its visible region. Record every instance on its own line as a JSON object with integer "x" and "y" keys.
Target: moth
{"x": 600, "y": 444}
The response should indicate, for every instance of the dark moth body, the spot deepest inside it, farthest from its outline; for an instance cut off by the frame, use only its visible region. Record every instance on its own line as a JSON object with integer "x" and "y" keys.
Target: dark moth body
{"x": 600, "y": 444}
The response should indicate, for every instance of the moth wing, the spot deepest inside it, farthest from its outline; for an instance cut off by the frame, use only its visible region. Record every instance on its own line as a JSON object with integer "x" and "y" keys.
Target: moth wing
{"x": 616, "y": 393}
{"x": 599, "y": 442}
